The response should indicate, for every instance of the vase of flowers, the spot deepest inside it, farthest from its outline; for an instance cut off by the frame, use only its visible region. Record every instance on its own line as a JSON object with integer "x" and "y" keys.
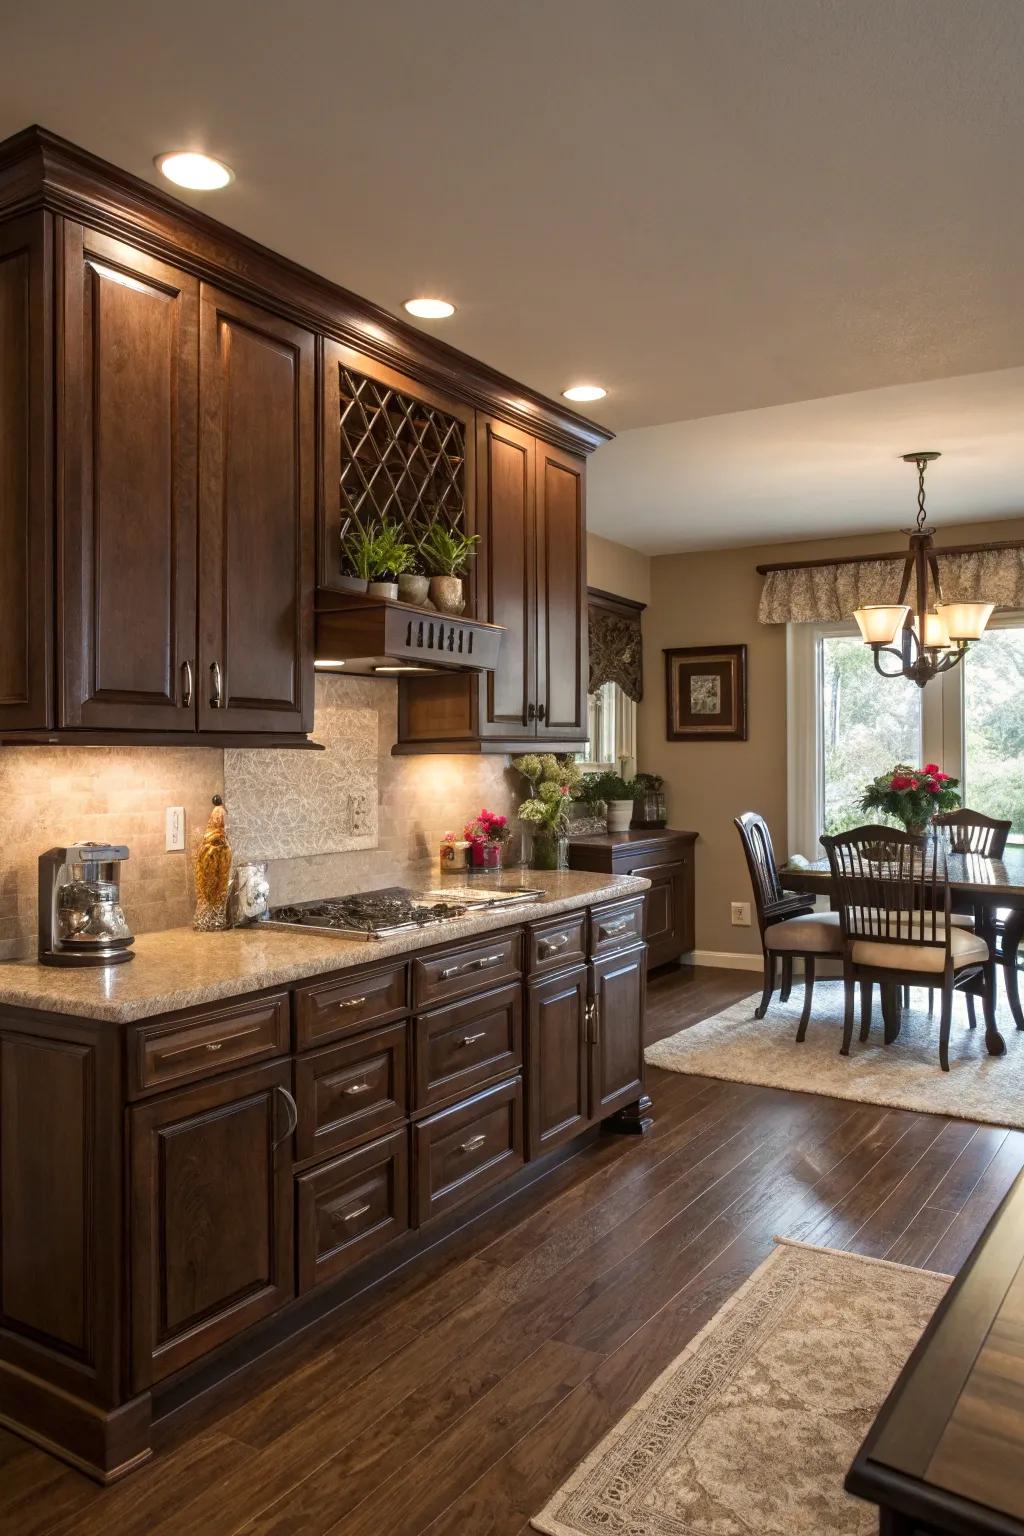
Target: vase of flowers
{"x": 912, "y": 796}
{"x": 552, "y": 783}
{"x": 486, "y": 835}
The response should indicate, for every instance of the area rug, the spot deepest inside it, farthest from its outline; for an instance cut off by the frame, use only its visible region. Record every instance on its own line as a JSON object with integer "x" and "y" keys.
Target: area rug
{"x": 753, "y": 1427}
{"x": 906, "y": 1074}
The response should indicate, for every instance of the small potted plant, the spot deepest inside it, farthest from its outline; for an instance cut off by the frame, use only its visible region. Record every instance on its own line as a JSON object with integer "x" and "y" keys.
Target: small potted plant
{"x": 357, "y": 556}
{"x": 553, "y": 781}
{"x": 391, "y": 556}
{"x": 413, "y": 586}
{"x": 486, "y": 835}
{"x": 446, "y": 554}
{"x": 912, "y": 796}
{"x": 616, "y": 793}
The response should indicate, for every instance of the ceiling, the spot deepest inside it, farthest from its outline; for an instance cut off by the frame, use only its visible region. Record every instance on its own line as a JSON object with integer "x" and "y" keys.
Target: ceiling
{"x": 709, "y": 206}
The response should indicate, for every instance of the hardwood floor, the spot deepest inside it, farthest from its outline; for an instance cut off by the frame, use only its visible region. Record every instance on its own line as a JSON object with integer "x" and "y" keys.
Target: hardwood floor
{"x": 453, "y": 1400}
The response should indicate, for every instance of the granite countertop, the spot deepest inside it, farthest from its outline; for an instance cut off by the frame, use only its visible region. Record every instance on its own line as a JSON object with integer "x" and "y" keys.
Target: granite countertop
{"x": 177, "y": 968}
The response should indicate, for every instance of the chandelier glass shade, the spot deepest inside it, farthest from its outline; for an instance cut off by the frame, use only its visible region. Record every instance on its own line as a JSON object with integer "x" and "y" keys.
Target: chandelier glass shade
{"x": 925, "y": 635}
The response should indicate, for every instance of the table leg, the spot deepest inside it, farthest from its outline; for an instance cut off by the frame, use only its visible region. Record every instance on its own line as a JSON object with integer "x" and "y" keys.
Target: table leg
{"x": 1013, "y": 932}
{"x": 984, "y": 926}
{"x": 890, "y": 1010}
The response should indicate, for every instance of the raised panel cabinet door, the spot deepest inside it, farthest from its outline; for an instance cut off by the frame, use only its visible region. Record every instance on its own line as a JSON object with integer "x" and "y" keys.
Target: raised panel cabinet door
{"x": 126, "y": 436}
{"x": 211, "y": 1215}
{"x": 561, "y": 595}
{"x": 618, "y": 989}
{"x": 556, "y": 1074}
{"x": 506, "y": 576}
{"x": 256, "y": 519}
{"x": 669, "y": 929}
{"x": 26, "y": 544}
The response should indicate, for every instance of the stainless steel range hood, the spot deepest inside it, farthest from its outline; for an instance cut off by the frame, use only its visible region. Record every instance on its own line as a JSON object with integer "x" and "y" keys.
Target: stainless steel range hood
{"x": 369, "y": 636}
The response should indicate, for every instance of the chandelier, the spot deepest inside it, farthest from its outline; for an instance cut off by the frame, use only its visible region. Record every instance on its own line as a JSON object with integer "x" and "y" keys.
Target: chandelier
{"x": 932, "y": 639}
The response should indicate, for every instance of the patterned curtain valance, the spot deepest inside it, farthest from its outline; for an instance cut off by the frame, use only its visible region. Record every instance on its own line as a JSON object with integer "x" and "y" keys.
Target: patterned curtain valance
{"x": 818, "y": 593}
{"x": 616, "y": 645}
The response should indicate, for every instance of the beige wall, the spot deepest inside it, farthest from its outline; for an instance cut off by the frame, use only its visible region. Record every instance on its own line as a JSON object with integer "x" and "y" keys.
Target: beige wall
{"x": 710, "y": 598}
{"x": 615, "y": 568}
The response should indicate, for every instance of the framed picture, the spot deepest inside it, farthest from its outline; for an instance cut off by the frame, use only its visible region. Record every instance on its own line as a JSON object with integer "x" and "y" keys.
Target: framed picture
{"x": 706, "y": 693}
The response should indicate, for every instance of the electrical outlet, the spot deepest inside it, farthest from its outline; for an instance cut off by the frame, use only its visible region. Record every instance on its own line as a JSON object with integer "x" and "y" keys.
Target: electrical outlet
{"x": 174, "y": 829}
{"x": 740, "y": 911}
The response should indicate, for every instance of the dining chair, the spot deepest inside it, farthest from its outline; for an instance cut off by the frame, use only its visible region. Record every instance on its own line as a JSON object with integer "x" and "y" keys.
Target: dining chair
{"x": 790, "y": 927}
{"x": 892, "y": 891}
{"x": 984, "y": 836}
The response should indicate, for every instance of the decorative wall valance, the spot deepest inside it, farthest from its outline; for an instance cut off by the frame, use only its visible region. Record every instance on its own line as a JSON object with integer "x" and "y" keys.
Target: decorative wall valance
{"x": 616, "y": 645}
{"x": 802, "y": 594}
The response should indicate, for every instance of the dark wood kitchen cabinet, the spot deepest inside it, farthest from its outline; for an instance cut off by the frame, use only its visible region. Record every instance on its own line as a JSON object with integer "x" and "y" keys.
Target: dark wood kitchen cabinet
{"x": 557, "y": 1051}
{"x": 618, "y": 986}
{"x": 210, "y": 1172}
{"x": 562, "y": 656}
{"x": 664, "y": 857}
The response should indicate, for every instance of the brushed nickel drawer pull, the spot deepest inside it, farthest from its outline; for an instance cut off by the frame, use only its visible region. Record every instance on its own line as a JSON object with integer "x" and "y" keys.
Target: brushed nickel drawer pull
{"x": 358, "y": 1088}
{"x": 483, "y": 964}
{"x": 473, "y": 1143}
{"x": 216, "y": 686}
{"x": 186, "y": 691}
{"x": 472, "y": 1039}
{"x": 351, "y": 1002}
{"x": 353, "y": 1215}
{"x": 293, "y": 1115}
{"x": 206, "y": 1045}
{"x": 552, "y": 946}
{"x": 610, "y": 929}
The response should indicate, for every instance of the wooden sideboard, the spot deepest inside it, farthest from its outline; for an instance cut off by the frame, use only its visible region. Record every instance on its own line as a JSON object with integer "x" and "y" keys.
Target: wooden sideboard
{"x": 665, "y": 858}
{"x": 180, "y": 1193}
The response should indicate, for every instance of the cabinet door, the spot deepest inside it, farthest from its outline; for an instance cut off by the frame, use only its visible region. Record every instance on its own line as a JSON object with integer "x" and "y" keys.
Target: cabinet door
{"x": 506, "y": 577}
{"x": 211, "y": 1216}
{"x": 127, "y": 455}
{"x": 618, "y": 987}
{"x": 669, "y": 929}
{"x": 26, "y": 577}
{"x": 557, "y": 1107}
{"x": 561, "y": 697}
{"x": 256, "y": 519}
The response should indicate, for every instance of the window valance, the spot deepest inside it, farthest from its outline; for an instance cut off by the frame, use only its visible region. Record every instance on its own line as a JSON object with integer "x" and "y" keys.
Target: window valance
{"x": 803, "y": 594}
{"x": 616, "y": 643}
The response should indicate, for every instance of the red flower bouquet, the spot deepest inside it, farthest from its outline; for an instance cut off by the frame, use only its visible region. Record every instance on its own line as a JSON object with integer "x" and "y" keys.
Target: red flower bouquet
{"x": 912, "y": 796}
{"x": 486, "y": 835}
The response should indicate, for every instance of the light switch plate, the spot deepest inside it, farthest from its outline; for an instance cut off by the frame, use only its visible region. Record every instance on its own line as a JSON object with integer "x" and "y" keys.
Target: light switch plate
{"x": 174, "y": 832}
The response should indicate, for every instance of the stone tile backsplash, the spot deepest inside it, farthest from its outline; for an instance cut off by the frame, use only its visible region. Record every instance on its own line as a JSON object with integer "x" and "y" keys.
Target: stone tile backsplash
{"x": 345, "y": 819}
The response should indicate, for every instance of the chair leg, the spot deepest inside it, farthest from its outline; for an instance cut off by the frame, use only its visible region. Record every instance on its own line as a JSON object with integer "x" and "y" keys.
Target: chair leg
{"x": 769, "y": 985}
{"x": 867, "y": 990}
{"x": 805, "y": 1016}
{"x": 945, "y": 1019}
{"x": 787, "y": 978}
{"x": 972, "y": 1012}
{"x": 931, "y": 1001}
{"x": 849, "y": 986}
{"x": 906, "y": 997}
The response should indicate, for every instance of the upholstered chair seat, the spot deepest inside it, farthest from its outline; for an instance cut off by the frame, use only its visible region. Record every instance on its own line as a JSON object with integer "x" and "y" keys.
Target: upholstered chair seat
{"x": 814, "y": 933}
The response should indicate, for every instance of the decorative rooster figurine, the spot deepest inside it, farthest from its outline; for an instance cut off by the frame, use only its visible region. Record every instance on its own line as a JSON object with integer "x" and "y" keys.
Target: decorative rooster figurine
{"x": 213, "y": 872}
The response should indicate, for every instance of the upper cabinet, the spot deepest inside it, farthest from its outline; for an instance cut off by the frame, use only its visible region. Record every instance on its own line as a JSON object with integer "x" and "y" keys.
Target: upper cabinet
{"x": 561, "y": 692}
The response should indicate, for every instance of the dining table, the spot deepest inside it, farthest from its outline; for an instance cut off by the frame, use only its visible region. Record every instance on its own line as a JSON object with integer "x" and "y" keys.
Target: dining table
{"x": 986, "y": 886}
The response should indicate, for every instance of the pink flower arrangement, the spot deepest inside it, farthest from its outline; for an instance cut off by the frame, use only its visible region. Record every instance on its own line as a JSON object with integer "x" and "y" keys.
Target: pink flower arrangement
{"x": 487, "y": 827}
{"x": 912, "y": 795}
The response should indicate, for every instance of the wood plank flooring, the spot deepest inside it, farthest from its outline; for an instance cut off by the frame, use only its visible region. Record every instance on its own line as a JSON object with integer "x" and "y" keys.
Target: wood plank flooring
{"x": 454, "y": 1399}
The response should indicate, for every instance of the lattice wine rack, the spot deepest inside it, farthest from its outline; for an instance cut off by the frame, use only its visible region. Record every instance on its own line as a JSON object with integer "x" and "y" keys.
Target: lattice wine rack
{"x": 401, "y": 461}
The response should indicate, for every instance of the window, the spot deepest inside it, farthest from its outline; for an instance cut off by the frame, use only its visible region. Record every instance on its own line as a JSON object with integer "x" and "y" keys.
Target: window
{"x": 611, "y": 728}
{"x": 846, "y": 724}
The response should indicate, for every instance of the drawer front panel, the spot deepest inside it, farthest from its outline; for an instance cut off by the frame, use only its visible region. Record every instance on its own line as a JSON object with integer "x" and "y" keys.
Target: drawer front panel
{"x": 352, "y": 1206}
{"x": 616, "y": 927}
{"x": 165, "y": 1055}
{"x": 467, "y": 1043}
{"x": 350, "y": 1090}
{"x": 436, "y": 978}
{"x": 462, "y": 1150}
{"x": 552, "y": 946}
{"x": 338, "y": 1008}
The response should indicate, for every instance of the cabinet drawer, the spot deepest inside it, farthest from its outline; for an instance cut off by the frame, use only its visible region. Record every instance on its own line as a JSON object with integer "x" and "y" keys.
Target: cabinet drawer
{"x": 550, "y": 946}
{"x": 467, "y": 1043}
{"x": 337, "y": 1008}
{"x": 462, "y": 1150}
{"x": 435, "y": 978}
{"x": 164, "y": 1055}
{"x": 351, "y": 1206}
{"x": 350, "y": 1090}
{"x": 616, "y": 927}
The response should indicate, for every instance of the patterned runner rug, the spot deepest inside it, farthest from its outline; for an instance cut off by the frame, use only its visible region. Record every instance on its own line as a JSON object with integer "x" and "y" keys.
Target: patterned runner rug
{"x": 753, "y": 1427}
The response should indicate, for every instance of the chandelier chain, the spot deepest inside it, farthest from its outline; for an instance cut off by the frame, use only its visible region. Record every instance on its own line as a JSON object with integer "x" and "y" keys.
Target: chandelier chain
{"x": 922, "y": 465}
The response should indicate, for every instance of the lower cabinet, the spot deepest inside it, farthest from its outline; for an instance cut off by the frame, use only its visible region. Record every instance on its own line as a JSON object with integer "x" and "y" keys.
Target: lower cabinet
{"x": 618, "y": 988}
{"x": 464, "y": 1149}
{"x": 211, "y": 1215}
{"x": 351, "y": 1206}
{"x": 557, "y": 1056}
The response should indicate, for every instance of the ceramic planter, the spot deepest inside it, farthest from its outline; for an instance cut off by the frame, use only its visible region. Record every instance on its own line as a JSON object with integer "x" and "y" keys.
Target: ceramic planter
{"x": 446, "y": 594}
{"x": 385, "y": 589}
{"x": 413, "y": 589}
{"x": 351, "y": 583}
{"x": 618, "y": 815}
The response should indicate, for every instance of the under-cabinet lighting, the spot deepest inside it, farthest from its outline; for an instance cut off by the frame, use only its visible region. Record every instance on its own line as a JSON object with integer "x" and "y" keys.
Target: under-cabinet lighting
{"x": 584, "y": 392}
{"x": 114, "y": 276}
{"x": 199, "y": 172}
{"x": 397, "y": 667}
{"x": 429, "y": 309}
{"x": 323, "y": 664}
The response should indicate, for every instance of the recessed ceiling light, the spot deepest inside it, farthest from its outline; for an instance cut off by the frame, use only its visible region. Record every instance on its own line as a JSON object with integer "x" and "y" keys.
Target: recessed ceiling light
{"x": 200, "y": 172}
{"x": 585, "y": 392}
{"x": 429, "y": 309}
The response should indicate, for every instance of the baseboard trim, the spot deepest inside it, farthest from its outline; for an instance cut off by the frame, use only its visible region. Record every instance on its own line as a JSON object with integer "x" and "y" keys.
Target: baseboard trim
{"x": 725, "y": 959}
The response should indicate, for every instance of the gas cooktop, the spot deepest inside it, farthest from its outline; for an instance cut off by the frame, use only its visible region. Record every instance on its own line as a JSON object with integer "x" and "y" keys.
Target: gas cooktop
{"x": 396, "y": 909}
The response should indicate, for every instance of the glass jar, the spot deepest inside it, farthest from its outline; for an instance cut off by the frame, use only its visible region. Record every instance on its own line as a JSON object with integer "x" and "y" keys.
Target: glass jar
{"x": 550, "y": 849}
{"x": 486, "y": 856}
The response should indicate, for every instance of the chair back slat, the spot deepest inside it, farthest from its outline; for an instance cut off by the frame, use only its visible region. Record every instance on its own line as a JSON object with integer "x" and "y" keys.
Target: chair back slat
{"x": 891, "y": 887}
{"x": 966, "y": 831}
{"x": 760, "y": 855}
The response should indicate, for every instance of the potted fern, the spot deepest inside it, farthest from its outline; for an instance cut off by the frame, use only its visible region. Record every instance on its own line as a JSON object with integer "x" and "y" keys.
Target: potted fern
{"x": 357, "y": 557}
{"x": 391, "y": 555}
{"x": 446, "y": 554}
